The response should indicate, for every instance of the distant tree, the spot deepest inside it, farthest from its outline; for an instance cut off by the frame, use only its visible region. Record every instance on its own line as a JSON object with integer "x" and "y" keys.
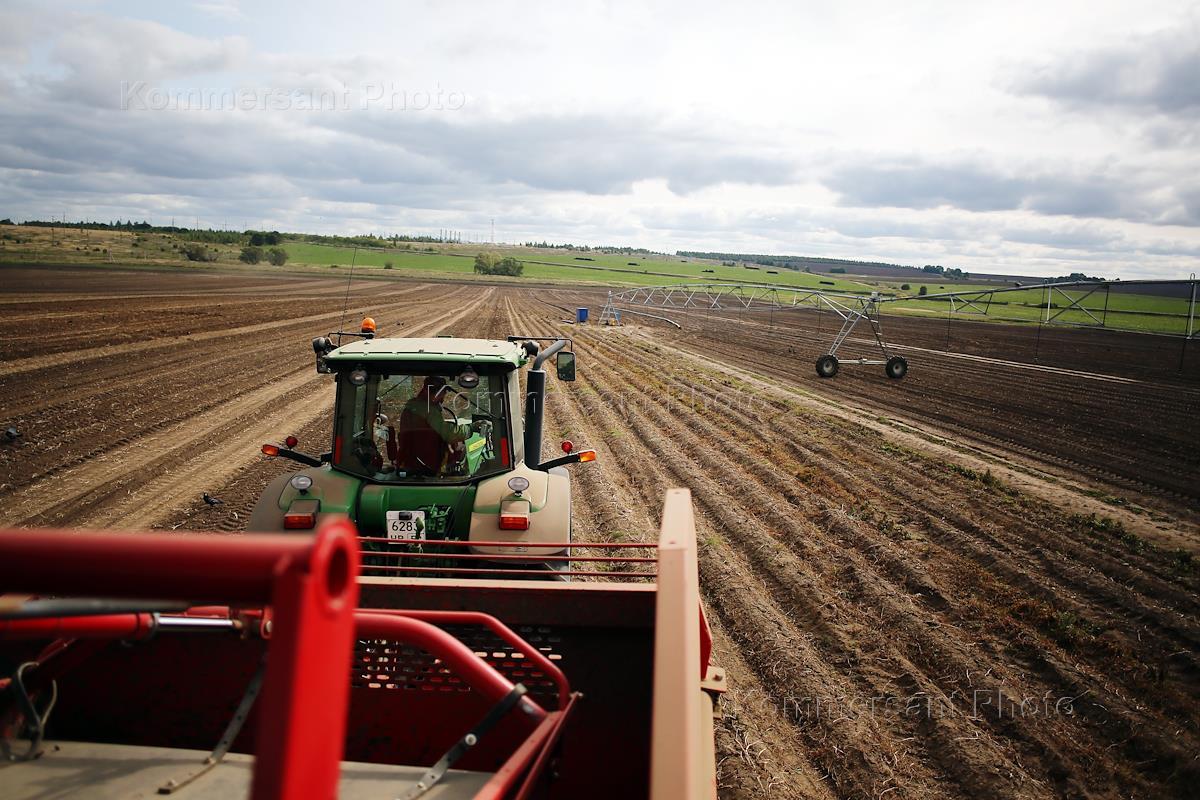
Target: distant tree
{"x": 510, "y": 266}
{"x": 251, "y": 254}
{"x": 485, "y": 263}
{"x": 491, "y": 264}
{"x": 924, "y": 290}
{"x": 6, "y": 221}
{"x": 277, "y": 256}
{"x": 1074, "y": 276}
{"x": 905, "y": 286}
{"x": 198, "y": 252}
{"x": 264, "y": 238}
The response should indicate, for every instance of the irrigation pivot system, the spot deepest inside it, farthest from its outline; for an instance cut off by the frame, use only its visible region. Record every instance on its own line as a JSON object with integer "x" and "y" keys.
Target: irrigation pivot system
{"x": 1163, "y": 307}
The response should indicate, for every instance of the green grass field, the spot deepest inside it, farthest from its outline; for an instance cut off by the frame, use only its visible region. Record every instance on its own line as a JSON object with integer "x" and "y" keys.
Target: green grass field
{"x": 1122, "y": 308}
{"x": 553, "y": 265}
{"x": 1118, "y": 308}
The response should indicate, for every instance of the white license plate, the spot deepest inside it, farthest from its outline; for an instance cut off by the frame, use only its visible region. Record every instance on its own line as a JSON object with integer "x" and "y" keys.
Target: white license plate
{"x": 406, "y": 524}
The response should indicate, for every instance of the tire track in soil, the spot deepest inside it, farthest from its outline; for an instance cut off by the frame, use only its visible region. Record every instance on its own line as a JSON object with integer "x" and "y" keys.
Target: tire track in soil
{"x": 22, "y": 365}
{"x": 93, "y": 485}
{"x": 978, "y": 408}
{"x": 732, "y": 435}
{"x": 906, "y": 433}
{"x": 747, "y": 536}
{"x": 801, "y": 605}
{"x": 855, "y": 535}
{"x": 910, "y": 489}
{"x": 159, "y": 386}
{"x": 30, "y": 395}
{"x": 200, "y": 309}
{"x": 895, "y": 579}
{"x": 758, "y": 753}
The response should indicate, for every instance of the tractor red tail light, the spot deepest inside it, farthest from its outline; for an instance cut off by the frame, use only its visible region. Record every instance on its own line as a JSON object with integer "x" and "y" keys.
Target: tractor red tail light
{"x": 291, "y": 441}
{"x": 270, "y": 450}
{"x": 301, "y": 515}
{"x": 567, "y": 446}
{"x": 514, "y": 515}
{"x": 300, "y": 522}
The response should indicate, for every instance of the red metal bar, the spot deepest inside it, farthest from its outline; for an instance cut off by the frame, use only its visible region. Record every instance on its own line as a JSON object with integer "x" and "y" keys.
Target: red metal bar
{"x": 463, "y": 543}
{"x": 146, "y": 565}
{"x": 526, "y": 759}
{"x": 509, "y": 557}
{"x": 107, "y": 626}
{"x": 539, "y": 763}
{"x": 138, "y": 626}
{"x": 308, "y": 580}
{"x": 527, "y": 572}
{"x": 306, "y": 693}
{"x": 706, "y": 643}
{"x": 480, "y": 675}
{"x": 501, "y": 630}
{"x": 504, "y": 779}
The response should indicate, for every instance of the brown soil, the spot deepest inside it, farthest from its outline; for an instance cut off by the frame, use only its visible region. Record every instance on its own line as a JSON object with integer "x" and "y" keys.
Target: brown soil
{"x": 903, "y": 605}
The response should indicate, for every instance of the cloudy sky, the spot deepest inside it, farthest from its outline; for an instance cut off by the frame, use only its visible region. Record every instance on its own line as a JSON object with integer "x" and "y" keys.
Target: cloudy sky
{"x": 1030, "y": 137}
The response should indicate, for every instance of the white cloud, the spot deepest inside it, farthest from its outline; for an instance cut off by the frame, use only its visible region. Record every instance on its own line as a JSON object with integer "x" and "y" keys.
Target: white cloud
{"x": 222, "y": 9}
{"x": 967, "y": 134}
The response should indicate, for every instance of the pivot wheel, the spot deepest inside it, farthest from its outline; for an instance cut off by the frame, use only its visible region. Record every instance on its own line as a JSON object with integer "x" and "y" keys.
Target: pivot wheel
{"x": 827, "y": 366}
{"x": 896, "y": 368}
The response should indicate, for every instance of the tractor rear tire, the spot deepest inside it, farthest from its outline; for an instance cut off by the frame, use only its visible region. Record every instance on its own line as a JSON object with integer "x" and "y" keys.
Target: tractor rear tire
{"x": 896, "y": 368}
{"x": 827, "y": 366}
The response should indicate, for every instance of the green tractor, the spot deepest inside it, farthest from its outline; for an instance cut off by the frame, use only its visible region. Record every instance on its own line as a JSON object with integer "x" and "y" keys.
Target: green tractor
{"x": 432, "y": 459}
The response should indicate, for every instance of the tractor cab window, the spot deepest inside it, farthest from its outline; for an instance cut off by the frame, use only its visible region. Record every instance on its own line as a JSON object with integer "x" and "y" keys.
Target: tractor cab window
{"x": 450, "y": 425}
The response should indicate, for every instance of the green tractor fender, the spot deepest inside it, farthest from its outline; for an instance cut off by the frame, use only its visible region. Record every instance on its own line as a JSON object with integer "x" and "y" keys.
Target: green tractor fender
{"x": 331, "y": 492}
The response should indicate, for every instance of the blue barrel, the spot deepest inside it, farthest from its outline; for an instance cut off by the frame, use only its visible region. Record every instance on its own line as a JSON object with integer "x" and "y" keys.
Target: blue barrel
{"x": 581, "y": 315}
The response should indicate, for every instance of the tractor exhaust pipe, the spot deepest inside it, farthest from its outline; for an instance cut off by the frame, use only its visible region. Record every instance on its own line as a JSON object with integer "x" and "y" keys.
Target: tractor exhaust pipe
{"x": 535, "y": 399}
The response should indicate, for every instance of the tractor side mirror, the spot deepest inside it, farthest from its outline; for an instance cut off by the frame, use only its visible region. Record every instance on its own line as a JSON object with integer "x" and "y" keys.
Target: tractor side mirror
{"x": 564, "y": 363}
{"x": 322, "y": 347}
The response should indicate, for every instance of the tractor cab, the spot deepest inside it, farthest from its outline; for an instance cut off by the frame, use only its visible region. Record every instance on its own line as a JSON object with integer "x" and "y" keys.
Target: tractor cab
{"x": 433, "y": 453}
{"x": 405, "y": 421}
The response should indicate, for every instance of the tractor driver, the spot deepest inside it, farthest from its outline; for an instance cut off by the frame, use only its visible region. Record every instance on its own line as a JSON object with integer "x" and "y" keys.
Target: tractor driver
{"x": 428, "y": 440}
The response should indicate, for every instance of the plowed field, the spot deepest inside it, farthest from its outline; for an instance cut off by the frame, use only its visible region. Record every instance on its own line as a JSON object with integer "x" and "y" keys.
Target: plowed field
{"x": 960, "y": 585}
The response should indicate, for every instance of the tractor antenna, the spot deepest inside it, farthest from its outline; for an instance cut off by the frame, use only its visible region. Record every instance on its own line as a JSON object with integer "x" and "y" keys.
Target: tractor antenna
{"x": 346, "y": 302}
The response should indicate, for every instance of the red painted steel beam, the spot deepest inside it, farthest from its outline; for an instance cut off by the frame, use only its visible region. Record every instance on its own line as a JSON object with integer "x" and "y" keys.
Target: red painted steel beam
{"x": 107, "y": 626}
{"x": 474, "y": 543}
{"x": 535, "y": 573}
{"x": 527, "y": 760}
{"x": 522, "y": 557}
{"x": 308, "y": 580}
{"x": 233, "y": 568}
{"x": 706, "y": 643}
{"x": 306, "y": 693}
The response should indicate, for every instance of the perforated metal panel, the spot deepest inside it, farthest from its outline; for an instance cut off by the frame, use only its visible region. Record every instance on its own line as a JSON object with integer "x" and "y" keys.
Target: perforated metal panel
{"x": 383, "y": 665}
